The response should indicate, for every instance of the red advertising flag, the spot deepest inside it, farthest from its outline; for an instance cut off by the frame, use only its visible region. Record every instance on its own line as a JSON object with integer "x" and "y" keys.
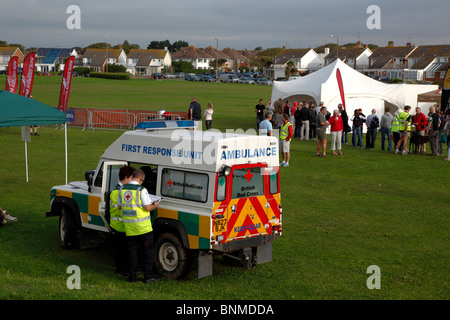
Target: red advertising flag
{"x": 26, "y": 82}
{"x": 341, "y": 86}
{"x": 65, "y": 84}
{"x": 11, "y": 78}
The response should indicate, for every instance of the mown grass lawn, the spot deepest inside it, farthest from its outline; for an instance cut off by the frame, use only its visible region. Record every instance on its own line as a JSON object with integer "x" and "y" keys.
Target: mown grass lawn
{"x": 340, "y": 214}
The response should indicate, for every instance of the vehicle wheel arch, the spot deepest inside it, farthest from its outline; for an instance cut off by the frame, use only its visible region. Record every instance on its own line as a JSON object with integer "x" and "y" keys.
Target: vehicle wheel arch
{"x": 164, "y": 225}
{"x": 70, "y": 204}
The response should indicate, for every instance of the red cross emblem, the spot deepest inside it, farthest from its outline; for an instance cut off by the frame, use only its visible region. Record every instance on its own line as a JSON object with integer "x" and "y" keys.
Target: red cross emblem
{"x": 248, "y": 175}
{"x": 128, "y": 196}
{"x": 170, "y": 182}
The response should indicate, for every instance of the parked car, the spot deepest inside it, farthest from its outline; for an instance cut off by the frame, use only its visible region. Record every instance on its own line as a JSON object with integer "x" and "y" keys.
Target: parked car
{"x": 191, "y": 77}
{"x": 169, "y": 76}
{"x": 206, "y": 78}
{"x": 247, "y": 80}
{"x": 229, "y": 77}
{"x": 157, "y": 76}
{"x": 264, "y": 81}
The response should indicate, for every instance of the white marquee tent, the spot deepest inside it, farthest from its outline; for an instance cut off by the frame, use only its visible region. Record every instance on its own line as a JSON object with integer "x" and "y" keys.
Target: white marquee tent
{"x": 360, "y": 91}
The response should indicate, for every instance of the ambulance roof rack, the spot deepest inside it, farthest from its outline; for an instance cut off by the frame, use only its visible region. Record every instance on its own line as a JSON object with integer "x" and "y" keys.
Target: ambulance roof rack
{"x": 166, "y": 125}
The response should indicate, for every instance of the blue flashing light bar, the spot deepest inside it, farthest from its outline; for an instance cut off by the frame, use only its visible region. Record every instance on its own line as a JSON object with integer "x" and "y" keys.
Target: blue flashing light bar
{"x": 166, "y": 124}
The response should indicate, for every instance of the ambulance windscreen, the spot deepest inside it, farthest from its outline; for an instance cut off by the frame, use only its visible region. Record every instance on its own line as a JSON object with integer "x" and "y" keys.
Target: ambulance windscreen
{"x": 247, "y": 182}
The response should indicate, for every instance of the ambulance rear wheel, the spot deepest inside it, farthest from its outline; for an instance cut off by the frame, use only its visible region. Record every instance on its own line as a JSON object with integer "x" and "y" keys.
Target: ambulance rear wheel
{"x": 171, "y": 258}
{"x": 67, "y": 229}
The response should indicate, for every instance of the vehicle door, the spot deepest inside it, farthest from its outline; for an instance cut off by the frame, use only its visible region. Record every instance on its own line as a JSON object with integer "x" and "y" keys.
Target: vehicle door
{"x": 109, "y": 180}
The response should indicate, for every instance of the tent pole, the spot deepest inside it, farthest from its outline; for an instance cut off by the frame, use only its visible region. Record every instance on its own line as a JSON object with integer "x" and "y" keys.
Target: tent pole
{"x": 26, "y": 159}
{"x": 65, "y": 143}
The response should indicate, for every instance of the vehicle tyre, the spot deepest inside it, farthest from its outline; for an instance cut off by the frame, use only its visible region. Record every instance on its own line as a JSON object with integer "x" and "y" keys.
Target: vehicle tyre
{"x": 67, "y": 229}
{"x": 171, "y": 258}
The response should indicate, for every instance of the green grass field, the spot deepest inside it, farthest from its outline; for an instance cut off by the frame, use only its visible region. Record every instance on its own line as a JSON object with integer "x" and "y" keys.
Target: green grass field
{"x": 340, "y": 214}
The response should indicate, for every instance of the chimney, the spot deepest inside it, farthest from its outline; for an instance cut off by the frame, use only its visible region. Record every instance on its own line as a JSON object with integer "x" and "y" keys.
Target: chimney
{"x": 390, "y": 44}
{"x": 327, "y": 51}
{"x": 284, "y": 47}
{"x": 408, "y": 44}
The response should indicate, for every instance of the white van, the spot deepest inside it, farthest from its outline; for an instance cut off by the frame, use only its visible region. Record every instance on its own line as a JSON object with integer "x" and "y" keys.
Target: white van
{"x": 220, "y": 194}
{"x": 229, "y": 77}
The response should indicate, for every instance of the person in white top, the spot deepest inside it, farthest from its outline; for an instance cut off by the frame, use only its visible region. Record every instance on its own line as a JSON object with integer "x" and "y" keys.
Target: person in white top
{"x": 208, "y": 115}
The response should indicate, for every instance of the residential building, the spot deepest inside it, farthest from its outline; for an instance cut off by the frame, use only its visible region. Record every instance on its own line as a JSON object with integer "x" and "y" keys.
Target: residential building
{"x": 53, "y": 59}
{"x": 235, "y": 58}
{"x": 5, "y": 55}
{"x": 98, "y": 58}
{"x": 199, "y": 58}
{"x": 390, "y": 61}
{"x": 357, "y": 57}
{"x": 428, "y": 63}
{"x": 213, "y": 52}
{"x": 304, "y": 60}
{"x": 144, "y": 62}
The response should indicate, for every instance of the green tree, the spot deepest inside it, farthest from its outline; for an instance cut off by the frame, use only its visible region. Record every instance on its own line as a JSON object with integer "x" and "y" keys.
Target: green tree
{"x": 126, "y": 46}
{"x": 182, "y": 65}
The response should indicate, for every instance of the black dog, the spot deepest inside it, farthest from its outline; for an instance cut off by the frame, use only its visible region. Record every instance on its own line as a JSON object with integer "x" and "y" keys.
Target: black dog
{"x": 417, "y": 140}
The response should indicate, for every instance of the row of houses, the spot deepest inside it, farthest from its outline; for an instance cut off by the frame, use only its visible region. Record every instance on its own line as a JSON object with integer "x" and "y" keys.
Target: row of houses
{"x": 409, "y": 62}
{"x": 139, "y": 62}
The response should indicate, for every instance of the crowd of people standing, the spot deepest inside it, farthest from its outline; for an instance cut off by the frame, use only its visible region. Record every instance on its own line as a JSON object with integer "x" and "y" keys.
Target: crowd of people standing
{"x": 310, "y": 122}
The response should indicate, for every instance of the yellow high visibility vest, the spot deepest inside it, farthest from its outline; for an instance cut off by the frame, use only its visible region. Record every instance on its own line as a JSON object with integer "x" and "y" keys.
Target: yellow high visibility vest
{"x": 402, "y": 121}
{"x": 116, "y": 213}
{"x": 136, "y": 219}
{"x": 284, "y": 132}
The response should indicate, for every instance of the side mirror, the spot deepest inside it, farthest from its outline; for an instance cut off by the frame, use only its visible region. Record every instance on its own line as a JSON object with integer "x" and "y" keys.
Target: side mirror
{"x": 89, "y": 177}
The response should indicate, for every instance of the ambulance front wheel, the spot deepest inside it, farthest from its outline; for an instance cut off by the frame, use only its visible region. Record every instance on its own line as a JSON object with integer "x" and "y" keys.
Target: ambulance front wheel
{"x": 67, "y": 229}
{"x": 171, "y": 258}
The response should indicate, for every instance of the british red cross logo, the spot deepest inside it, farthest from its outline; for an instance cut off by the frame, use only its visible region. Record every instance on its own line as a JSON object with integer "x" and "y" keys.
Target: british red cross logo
{"x": 248, "y": 175}
{"x": 128, "y": 196}
{"x": 170, "y": 182}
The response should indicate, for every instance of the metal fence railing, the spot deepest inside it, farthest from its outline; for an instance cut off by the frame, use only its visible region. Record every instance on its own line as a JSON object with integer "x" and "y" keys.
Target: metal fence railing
{"x": 115, "y": 119}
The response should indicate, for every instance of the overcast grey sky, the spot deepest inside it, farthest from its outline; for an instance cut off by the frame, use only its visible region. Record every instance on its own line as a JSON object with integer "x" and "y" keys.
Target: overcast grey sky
{"x": 239, "y": 24}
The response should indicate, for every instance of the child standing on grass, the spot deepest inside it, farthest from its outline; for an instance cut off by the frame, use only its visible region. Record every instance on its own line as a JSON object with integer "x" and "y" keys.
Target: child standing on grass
{"x": 208, "y": 115}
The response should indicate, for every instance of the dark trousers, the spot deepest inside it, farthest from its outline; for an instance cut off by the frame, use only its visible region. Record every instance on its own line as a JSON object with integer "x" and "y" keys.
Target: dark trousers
{"x": 208, "y": 124}
{"x": 386, "y": 133}
{"x": 435, "y": 138}
{"x": 121, "y": 252}
{"x": 146, "y": 241}
{"x": 312, "y": 131}
{"x": 396, "y": 140}
{"x": 371, "y": 135}
{"x": 357, "y": 137}
{"x": 298, "y": 128}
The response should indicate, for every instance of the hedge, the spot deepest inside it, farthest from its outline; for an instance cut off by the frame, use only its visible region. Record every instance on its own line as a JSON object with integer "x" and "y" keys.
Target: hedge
{"x": 115, "y": 76}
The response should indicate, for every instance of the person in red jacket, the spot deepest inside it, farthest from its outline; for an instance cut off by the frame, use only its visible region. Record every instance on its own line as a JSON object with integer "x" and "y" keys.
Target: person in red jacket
{"x": 337, "y": 125}
{"x": 420, "y": 123}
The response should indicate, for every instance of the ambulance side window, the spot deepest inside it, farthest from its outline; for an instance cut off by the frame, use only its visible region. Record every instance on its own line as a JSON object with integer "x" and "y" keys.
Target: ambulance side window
{"x": 273, "y": 182}
{"x": 184, "y": 185}
{"x": 221, "y": 187}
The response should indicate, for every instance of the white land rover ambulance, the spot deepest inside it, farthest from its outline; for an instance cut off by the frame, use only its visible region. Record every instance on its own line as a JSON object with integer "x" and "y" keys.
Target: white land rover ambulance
{"x": 220, "y": 195}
